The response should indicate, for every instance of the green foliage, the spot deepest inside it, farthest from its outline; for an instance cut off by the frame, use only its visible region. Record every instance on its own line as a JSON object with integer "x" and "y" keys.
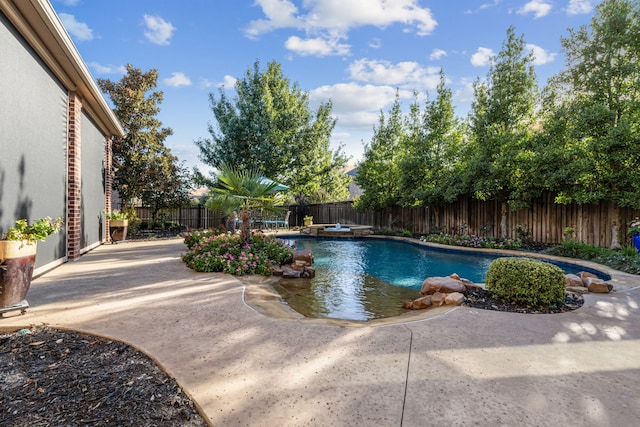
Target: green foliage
{"x": 269, "y": 127}
{"x": 379, "y": 173}
{"x": 40, "y": 229}
{"x": 117, "y": 215}
{"x": 526, "y": 281}
{"x": 502, "y": 119}
{"x": 430, "y": 150}
{"x": 216, "y": 251}
{"x": 472, "y": 241}
{"x": 143, "y": 167}
{"x": 627, "y": 260}
{"x": 243, "y": 190}
{"x": 597, "y": 110}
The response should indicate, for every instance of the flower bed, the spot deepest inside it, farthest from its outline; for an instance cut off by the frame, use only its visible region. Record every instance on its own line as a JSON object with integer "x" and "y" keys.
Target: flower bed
{"x": 472, "y": 241}
{"x": 216, "y": 251}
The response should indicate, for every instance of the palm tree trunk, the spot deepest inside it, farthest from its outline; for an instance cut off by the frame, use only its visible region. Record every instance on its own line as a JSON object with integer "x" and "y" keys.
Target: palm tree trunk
{"x": 245, "y": 227}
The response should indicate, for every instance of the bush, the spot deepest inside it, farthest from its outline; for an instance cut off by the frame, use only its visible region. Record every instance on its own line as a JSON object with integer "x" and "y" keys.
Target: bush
{"x": 212, "y": 251}
{"x": 626, "y": 260}
{"x": 471, "y": 241}
{"x": 526, "y": 281}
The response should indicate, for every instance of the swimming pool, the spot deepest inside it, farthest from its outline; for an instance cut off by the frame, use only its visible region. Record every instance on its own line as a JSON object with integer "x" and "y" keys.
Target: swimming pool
{"x": 364, "y": 279}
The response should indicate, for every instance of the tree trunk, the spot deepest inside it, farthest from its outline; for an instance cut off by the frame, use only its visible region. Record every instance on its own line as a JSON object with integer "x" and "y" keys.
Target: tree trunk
{"x": 614, "y": 213}
{"x": 503, "y": 220}
{"x": 245, "y": 227}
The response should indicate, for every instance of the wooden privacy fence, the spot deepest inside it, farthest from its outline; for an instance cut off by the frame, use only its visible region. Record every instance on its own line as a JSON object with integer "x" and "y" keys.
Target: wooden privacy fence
{"x": 191, "y": 217}
{"x": 544, "y": 221}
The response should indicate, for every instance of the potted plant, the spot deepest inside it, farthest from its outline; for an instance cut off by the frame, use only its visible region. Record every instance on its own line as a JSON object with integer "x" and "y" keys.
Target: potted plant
{"x": 118, "y": 225}
{"x": 18, "y": 256}
{"x": 308, "y": 220}
{"x": 634, "y": 231}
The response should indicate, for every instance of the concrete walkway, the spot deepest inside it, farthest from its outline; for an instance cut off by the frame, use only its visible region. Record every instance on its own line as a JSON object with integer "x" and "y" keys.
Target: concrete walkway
{"x": 464, "y": 367}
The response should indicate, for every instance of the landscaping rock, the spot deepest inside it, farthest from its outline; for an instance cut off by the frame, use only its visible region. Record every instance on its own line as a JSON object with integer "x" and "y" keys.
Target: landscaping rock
{"x": 290, "y": 273}
{"x": 445, "y": 285}
{"x": 308, "y": 273}
{"x": 455, "y": 298}
{"x": 303, "y": 255}
{"x": 573, "y": 280}
{"x": 585, "y": 275}
{"x": 598, "y": 286}
{"x": 437, "y": 299}
{"x": 419, "y": 304}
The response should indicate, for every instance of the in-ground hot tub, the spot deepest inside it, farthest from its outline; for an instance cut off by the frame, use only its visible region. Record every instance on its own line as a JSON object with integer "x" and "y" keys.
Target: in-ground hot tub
{"x": 338, "y": 230}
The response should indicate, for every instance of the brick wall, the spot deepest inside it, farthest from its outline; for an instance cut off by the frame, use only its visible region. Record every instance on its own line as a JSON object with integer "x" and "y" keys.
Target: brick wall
{"x": 74, "y": 178}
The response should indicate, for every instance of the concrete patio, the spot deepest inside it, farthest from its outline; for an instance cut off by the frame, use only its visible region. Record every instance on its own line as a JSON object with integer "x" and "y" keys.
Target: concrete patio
{"x": 460, "y": 367}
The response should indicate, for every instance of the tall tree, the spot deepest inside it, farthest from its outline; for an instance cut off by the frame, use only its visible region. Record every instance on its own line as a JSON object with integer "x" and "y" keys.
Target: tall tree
{"x": 431, "y": 149}
{"x": 502, "y": 121}
{"x": 168, "y": 184}
{"x": 601, "y": 96}
{"x": 269, "y": 127}
{"x": 379, "y": 173}
{"x": 137, "y": 155}
{"x": 601, "y": 103}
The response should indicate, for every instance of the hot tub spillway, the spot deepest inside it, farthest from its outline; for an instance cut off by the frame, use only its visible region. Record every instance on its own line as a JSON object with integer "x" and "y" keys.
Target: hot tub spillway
{"x": 338, "y": 230}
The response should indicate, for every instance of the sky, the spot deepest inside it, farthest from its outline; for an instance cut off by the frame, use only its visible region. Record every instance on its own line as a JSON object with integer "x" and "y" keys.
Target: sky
{"x": 355, "y": 53}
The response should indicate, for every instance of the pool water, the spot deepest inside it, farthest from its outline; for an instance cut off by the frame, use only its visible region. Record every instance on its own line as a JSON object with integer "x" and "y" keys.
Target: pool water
{"x": 364, "y": 279}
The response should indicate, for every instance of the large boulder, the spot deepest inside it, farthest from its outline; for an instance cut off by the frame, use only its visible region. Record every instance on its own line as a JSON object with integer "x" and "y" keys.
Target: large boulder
{"x": 572, "y": 280}
{"x": 445, "y": 285}
{"x": 598, "y": 286}
{"x": 419, "y": 304}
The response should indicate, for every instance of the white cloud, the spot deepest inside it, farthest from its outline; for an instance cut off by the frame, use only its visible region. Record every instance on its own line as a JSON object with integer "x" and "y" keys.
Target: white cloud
{"x": 577, "y": 7}
{"x": 540, "y": 56}
{"x": 69, "y": 2}
{"x": 353, "y": 99}
{"x": 375, "y": 43}
{"x": 539, "y": 8}
{"x": 316, "y": 46}
{"x": 437, "y": 54}
{"x": 405, "y": 74}
{"x": 482, "y": 57}
{"x": 177, "y": 79}
{"x": 107, "y": 69}
{"x": 78, "y": 30}
{"x": 158, "y": 30}
{"x": 279, "y": 14}
{"x": 229, "y": 82}
{"x": 331, "y": 20}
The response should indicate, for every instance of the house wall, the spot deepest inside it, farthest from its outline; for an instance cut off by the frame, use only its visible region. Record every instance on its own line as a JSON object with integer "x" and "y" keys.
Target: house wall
{"x": 92, "y": 203}
{"x": 33, "y": 141}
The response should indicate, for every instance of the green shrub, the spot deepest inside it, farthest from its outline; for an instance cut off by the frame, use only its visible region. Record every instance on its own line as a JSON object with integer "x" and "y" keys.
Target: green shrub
{"x": 211, "y": 250}
{"x": 472, "y": 241}
{"x": 525, "y": 281}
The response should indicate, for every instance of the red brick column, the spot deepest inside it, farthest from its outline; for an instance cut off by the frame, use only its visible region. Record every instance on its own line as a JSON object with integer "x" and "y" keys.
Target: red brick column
{"x": 108, "y": 182}
{"x": 74, "y": 180}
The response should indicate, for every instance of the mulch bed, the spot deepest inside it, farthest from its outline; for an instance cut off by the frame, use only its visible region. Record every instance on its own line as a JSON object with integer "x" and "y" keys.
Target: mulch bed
{"x": 62, "y": 378}
{"x": 480, "y": 298}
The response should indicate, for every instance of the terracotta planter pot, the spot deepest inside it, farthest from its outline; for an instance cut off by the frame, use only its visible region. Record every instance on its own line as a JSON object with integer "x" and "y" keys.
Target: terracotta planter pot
{"x": 17, "y": 259}
{"x": 119, "y": 229}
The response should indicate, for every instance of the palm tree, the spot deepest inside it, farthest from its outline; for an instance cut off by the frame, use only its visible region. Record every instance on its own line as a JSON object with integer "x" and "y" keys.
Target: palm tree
{"x": 243, "y": 190}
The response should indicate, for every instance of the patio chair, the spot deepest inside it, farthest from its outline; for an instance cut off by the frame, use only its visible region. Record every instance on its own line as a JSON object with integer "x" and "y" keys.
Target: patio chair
{"x": 283, "y": 222}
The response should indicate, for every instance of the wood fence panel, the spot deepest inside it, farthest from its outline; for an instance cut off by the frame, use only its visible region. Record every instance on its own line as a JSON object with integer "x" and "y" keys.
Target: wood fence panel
{"x": 544, "y": 220}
